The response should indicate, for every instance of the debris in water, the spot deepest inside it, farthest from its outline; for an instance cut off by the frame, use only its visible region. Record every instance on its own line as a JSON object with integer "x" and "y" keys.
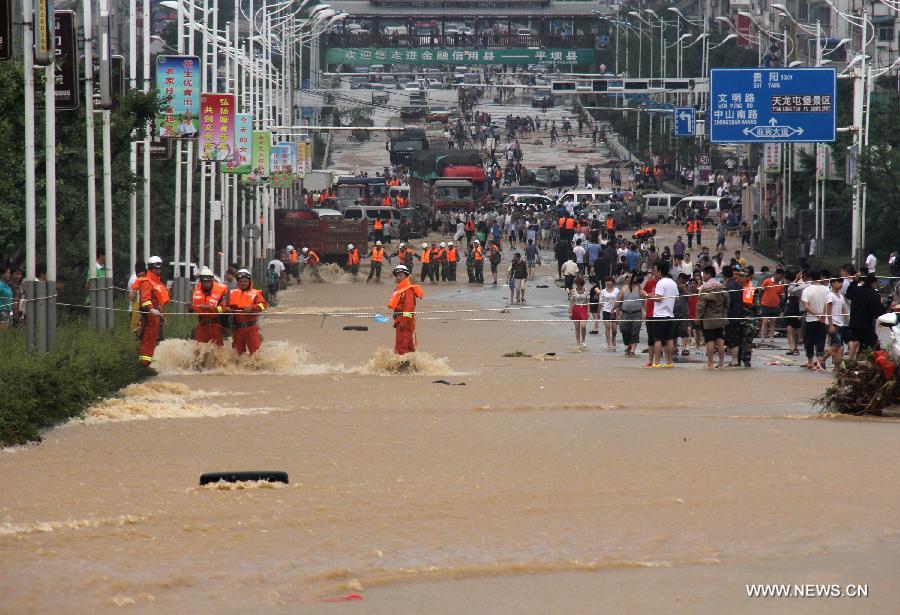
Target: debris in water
{"x": 356, "y": 328}
{"x": 516, "y": 353}
{"x": 458, "y": 384}
{"x": 241, "y": 485}
{"x": 234, "y": 477}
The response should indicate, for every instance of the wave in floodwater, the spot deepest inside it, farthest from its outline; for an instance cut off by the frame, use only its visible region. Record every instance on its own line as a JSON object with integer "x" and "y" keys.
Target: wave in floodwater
{"x": 12, "y": 529}
{"x": 387, "y": 363}
{"x": 179, "y": 357}
{"x": 162, "y": 400}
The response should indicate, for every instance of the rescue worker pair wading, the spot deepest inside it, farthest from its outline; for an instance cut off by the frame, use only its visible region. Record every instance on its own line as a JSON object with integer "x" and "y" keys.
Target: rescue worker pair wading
{"x": 153, "y": 298}
{"x": 246, "y": 303}
{"x": 403, "y": 303}
{"x": 209, "y": 301}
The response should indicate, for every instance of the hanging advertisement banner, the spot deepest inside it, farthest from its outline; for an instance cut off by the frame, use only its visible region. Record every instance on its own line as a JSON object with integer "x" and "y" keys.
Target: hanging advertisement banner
{"x": 43, "y": 32}
{"x": 260, "y": 158}
{"x": 5, "y": 29}
{"x": 243, "y": 130}
{"x": 66, "y": 67}
{"x": 175, "y": 79}
{"x": 304, "y": 162}
{"x": 216, "y": 127}
{"x": 772, "y": 158}
{"x": 281, "y": 168}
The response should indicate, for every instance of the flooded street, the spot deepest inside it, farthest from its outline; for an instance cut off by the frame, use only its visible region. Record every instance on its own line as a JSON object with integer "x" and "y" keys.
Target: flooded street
{"x": 510, "y": 484}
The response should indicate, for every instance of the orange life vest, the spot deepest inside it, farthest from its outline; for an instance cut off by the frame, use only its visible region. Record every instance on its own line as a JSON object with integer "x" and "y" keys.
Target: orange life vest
{"x": 570, "y": 224}
{"x": 470, "y": 225}
{"x": 386, "y": 200}
{"x": 749, "y": 293}
{"x": 294, "y": 257}
{"x": 426, "y": 256}
{"x": 153, "y": 292}
{"x": 312, "y": 258}
{"x": 377, "y": 254}
{"x": 352, "y": 257}
{"x": 562, "y": 223}
{"x": 243, "y": 299}
{"x": 476, "y": 252}
{"x": 690, "y": 227}
{"x": 452, "y": 257}
{"x": 403, "y": 300}
{"x": 610, "y": 223}
{"x": 435, "y": 255}
{"x": 379, "y": 225}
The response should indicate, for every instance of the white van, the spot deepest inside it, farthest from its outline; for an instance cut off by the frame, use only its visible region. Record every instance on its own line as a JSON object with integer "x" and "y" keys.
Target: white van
{"x": 660, "y": 207}
{"x": 710, "y": 207}
{"x": 581, "y": 194}
{"x": 373, "y": 212}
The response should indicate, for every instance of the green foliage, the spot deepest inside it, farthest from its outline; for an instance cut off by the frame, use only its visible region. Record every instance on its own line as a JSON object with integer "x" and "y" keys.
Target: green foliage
{"x": 43, "y": 390}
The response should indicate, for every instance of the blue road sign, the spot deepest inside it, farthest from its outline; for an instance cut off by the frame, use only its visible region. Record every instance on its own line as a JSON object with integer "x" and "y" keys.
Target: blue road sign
{"x": 772, "y": 105}
{"x": 684, "y": 122}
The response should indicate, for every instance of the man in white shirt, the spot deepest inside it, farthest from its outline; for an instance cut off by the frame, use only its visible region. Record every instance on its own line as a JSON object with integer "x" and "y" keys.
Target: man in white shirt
{"x": 569, "y": 270}
{"x": 871, "y": 261}
{"x": 663, "y": 321}
{"x": 279, "y": 266}
{"x": 579, "y": 252}
{"x": 813, "y": 300}
{"x": 836, "y": 317}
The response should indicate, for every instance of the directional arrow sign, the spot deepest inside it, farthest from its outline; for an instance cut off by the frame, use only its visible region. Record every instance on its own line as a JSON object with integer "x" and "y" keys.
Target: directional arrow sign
{"x": 772, "y": 105}
{"x": 684, "y": 122}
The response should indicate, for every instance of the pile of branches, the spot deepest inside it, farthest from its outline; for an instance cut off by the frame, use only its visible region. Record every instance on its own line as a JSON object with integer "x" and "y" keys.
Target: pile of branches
{"x": 861, "y": 387}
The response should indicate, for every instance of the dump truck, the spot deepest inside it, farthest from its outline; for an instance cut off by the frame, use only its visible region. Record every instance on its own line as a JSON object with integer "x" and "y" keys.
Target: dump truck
{"x": 446, "y": 179}
{"x": 325, "y": 231}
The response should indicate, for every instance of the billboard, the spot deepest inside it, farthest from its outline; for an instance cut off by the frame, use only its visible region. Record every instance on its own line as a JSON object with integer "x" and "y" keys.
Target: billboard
{"x": 176, "y": 77}
{"x": 216, "y": 127}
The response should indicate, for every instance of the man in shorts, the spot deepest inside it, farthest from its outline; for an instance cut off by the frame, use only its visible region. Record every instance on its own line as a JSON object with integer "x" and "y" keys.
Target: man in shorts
{"x": 663, "y": 319}
{"x": 773, "y": 290}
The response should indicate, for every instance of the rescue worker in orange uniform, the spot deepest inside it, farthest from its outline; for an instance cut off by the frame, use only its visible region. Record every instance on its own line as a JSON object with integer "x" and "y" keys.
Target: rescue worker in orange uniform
{"x": 403, "y": 303}
{"x": 312, "y": 263}
{"x": 209, "y": 300}
{"x": 610, "y": 227}
{"x": 386, "y": 200}
{"x": 426, "y": 263}
{"x": 352, "y": 260}
{"x": 478, "y": 256}
{"x": 406, "y": 256}
{"x": 378, "y": 230}
{"x": 452, "y": 260}
{"x": 377, "y": 257}
{"x": 689, "y": 231}
{"x": 246, "y": 303}
{"x": 153, "y": 298}
{"x": 442, "y": 259}
{"x": 294, "y": 262}
{"x": 434, "y": 258}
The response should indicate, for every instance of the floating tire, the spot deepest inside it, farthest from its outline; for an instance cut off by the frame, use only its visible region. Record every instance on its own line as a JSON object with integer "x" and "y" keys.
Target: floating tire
{"x": 233, "y": 477}
{"x": 356, "y": 328}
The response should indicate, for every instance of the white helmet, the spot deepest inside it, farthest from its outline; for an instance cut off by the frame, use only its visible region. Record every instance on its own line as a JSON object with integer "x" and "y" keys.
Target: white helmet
{"x": 443, "y": 245}
{"x": 349, "y": 246}
{"x": 290, "y": 247}
{"x": 243, "y": 273}
{"x": 206, "y": 272}
{"x": 154, "y": 261}
{"x": 424, "y": 245}
{"x": 402, "y": 245}
{"x": 377, "y": 243}
{"x": 476, "y": 241}
{"x": 305, "y": 250}
{"x": 401, "y": 269}
{"x": 450, "y": 243}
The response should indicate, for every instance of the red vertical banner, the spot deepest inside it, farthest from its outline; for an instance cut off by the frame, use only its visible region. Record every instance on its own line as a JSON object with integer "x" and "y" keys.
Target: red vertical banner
{"x": 217, "y": 118}
{"x": 744, "y": 30}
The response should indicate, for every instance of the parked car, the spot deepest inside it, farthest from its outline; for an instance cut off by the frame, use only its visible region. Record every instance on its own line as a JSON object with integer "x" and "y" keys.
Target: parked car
{"x": 542, "y": 101}
{"x": 660, "y": 207}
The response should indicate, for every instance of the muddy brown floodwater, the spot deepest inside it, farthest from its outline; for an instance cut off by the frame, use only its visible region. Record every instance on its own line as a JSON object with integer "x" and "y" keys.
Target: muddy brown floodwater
{"x": 581, "y": 484}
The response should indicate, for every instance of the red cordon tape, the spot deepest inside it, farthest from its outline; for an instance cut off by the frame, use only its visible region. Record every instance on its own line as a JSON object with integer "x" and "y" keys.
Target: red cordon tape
{"x": 347, "y": 598}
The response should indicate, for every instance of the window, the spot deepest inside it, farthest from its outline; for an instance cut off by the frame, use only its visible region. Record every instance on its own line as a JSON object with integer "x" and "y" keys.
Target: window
{"x": 353, "y": 214}
{"x": 886, "y": 32}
